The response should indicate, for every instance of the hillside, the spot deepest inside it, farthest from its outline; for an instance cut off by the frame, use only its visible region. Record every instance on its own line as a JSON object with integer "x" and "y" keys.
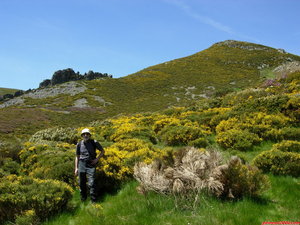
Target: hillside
{"x": 4, "y": 91}
{"x": 215, "y": 159}
{"x": 224, "y": 67}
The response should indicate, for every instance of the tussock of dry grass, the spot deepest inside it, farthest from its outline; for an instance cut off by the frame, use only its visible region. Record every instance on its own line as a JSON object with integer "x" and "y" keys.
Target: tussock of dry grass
{"x": 193, "y": 170}
{"x": 196, "y": 170}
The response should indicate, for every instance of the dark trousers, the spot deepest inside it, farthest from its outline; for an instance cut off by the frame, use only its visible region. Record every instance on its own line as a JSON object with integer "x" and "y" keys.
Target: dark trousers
{"x": 87, "y": 175}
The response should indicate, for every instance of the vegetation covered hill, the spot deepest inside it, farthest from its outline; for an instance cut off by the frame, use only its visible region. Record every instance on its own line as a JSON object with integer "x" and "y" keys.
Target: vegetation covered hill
{"x": 222, "y": 68}
{"x": 4, "y": 91}
{"x": 204, "y": 183}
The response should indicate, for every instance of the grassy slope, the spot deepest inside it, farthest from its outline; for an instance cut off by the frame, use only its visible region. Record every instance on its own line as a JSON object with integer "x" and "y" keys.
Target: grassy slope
{"x": 128, "y": 207}
{"x": 218, "y": 67}
{"x": 4, "y": 91}
{"x": 223, "y": 66}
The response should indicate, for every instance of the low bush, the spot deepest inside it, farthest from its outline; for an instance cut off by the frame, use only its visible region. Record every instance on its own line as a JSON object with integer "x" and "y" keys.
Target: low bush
{"x": 3, "y": 173}
{"x": 288, "y": 146}
{"x": 293, "y": 76}
{"x": 120, "y": 158}
{"x": 237, "y": 139}
{"x": 259, "y": 123}
{"x": 269, "y": 104}
{"x": 27, "y": 218}
{"x": 166, "y": 121}
{"x": 288, "y": 133}
{"x": 60, "y": 134}
{"x": 11, "y": 167}
{"x": 279, "y": 162}
{"x": 132, "y": 130}
{"x": 48, "y": 162}
{"x": 10, "y": 149}
{"x": 291, "y": 133}
{"x": 180, "y": 135}
{"x": 43, "y": 197}
{"x": 199, "y": 143}
{"x": 241, "y": 180}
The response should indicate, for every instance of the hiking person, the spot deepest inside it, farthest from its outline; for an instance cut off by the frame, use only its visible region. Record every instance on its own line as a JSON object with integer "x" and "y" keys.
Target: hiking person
{"x": 85, "y": 164}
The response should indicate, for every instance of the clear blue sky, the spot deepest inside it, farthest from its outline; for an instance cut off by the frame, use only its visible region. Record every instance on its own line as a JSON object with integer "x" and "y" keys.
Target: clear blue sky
{"x": 120, "y": 37}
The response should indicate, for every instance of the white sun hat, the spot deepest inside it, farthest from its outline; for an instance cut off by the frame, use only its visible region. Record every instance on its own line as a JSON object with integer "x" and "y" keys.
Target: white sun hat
{"x": 85, "y": 130}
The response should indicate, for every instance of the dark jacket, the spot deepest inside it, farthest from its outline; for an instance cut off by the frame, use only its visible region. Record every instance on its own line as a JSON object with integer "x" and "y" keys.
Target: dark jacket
{"x": 91, "y": 146}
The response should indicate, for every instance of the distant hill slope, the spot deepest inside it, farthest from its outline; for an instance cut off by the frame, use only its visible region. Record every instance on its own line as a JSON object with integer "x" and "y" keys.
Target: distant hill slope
{"x": 228, "y": 64}
{"x": 224, "y": 67}
{"x": 4, "y": 91}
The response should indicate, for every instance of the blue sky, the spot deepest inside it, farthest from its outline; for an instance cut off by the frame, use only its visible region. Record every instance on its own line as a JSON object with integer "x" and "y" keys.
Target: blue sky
{"x": 120, "y": 37}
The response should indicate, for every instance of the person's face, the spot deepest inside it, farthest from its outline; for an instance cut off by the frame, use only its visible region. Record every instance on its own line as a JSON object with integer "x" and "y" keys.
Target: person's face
{"x": 86, "y": 136}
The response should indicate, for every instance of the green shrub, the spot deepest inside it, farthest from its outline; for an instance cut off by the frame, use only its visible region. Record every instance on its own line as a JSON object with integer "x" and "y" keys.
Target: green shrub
{"x": 237, "y": 139}
{"x": 288, "y": 133}
{"x": 10, "y": 149}
{"x": 291, "y": 133}
{"x": 292, "y": 109}
{"x": 3, "y": 173}
{"x": 269, "y": 104}
{"x": 46, "y": 162}
{"x": 127, "y": 127}
{"x": 273, "y": 134}
{"x": 279, "y": 162}
{"x": 180, "y": 135}
{"x": 60, "y": 134}
{"x": 11, "y": 167}
{"x": 164, "y": 122}
{"x": 293, "y": 76}
{"x": 241, "y": 180}
{"x": 19, "y": 194}
{"x": 199, "y": 143}
{"x": 288, "y": 146}
{"x": 27, "y": 218}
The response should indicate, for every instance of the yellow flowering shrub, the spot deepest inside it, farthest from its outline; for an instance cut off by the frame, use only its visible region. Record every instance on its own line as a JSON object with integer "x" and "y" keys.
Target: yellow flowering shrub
{"x": 293, "y": 106}
{"x": 49, "y": 162}
{"x": 262, "y": 124}
{"x": 180, "y": 135}
{"x": 132, "y": 130}
{"x": 237, "y": 139}
{"x": 32, "y": 196}
{"x": 120, "y": 157}
{"x": 279, "y": 162}
{"x": 166, "y": 121}
{"x": 27, "y": 217}
{"x": 229, "y": 124}
{"x": 287, "y": 146}
{"x": 286, "y": 133}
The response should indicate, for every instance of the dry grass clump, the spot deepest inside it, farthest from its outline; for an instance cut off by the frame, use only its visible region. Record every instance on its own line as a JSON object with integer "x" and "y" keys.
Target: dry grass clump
{"x": 197, "y": 170}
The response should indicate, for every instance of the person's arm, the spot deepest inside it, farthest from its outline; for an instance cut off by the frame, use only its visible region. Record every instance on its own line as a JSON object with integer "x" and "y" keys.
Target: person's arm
{"x": 76, "y": 165}
{"x": 100, "y": 148}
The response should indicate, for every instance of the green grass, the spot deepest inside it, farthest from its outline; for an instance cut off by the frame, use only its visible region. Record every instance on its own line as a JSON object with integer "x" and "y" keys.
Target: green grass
{"x": 127, "y": 206}
{"x": 267, "y": 73}
{"x": 248, "y": 156}
{"x": 4, "y": 91}
{"x": 280, "y": 203}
